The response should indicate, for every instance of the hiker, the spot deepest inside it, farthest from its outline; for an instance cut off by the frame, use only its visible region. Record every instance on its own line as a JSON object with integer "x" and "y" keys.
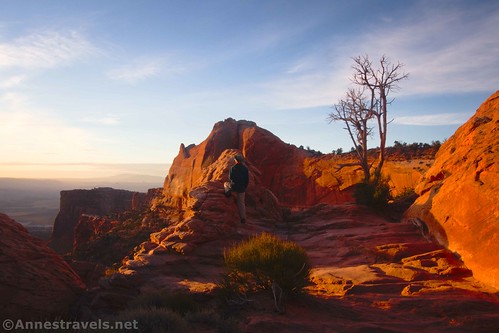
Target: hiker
{"x": 239, "y": 179}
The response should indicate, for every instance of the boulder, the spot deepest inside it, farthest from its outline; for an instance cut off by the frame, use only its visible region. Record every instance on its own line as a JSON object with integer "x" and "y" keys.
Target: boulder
{"x": 35, "y": 282}
{"x": 458, "y": 194}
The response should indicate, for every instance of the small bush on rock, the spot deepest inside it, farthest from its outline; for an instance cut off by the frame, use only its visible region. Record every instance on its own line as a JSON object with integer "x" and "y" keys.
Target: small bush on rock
{"x": 375, "y": 193}
{"x": 178, "y": 302}
{"x": 266, "y": 262}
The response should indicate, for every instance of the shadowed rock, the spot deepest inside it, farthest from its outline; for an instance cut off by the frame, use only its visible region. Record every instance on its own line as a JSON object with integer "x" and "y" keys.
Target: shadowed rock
{"x": 35, "y": 282}
{"x": 98, "y": 201}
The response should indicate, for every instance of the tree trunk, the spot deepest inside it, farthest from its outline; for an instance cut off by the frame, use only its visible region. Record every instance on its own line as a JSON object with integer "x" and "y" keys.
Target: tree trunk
{"x": 382, "y": 126}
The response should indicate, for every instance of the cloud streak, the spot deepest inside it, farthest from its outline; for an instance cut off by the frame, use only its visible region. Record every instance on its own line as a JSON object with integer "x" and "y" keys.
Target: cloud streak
{"x": 144, "y": 68}
{"x": 46, "y": 49}
{"x": 453, "y": 52}
{"x": 12, "y": 82}
{"x": 433, "y": 120}
{"x": 135, "y": 72}
{"x": 445, "y": 51}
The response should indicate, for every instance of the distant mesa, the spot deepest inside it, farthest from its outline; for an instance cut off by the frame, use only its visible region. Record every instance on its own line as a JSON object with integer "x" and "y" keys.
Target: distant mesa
{"x": 74, "y": 203}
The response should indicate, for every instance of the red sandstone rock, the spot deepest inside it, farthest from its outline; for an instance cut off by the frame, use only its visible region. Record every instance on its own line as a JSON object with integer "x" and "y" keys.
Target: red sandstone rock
{"x": 295, "y": 176}
{"x": 89, "y": 227}
{"x": 203, "y": 213}
{"x": 142, "y": 201}
{"x": 35, "y": 282}
{"x": 364, "y": 268}
{"x": 459, "y": 193}
{"x": 280, "y": 175}
{"x": 98, "y": 201}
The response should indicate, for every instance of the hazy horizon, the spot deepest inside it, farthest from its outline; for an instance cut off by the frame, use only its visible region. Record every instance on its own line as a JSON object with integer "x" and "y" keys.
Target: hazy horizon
{"x": 122, "y": 81}
{"x": 34, "y": 202}
{"x": 69, "y": 171}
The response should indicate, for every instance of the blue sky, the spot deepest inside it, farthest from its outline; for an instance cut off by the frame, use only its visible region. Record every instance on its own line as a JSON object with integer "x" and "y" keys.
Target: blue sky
{"x": 117, "y": 82}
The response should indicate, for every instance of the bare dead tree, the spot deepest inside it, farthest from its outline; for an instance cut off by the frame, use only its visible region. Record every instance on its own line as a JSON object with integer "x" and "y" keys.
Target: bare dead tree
{"x": 355, "y": 112}
{"x": 379, "y": 81}
{"x": 369, "y": 101}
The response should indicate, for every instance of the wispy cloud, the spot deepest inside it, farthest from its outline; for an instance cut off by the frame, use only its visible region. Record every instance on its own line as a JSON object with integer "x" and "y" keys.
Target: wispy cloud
{"x": 135, "y": 72}
{"x": 145, "y": 68}
{"x": 12, "y": 82}
{"x": 449, "y": 50}
{"x": 446, "y": 50}
{"x": 433, "y": 120}
{"x": 46, "y": 49}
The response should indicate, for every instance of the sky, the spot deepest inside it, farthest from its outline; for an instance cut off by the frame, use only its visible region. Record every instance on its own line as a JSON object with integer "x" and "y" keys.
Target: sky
{"x": 87, "y": 85}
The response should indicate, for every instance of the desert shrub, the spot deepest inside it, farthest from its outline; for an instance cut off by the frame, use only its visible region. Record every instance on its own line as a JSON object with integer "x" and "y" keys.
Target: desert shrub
{"x": 375, "y": 193}
{"x": 155, "y": 320}
{"x": 211, "y": 318}
{"x": 178, "y": 302}
{"x": 407, "y": 193}
{"x": 177, "y": 311}
{"x": 265, "y": 262}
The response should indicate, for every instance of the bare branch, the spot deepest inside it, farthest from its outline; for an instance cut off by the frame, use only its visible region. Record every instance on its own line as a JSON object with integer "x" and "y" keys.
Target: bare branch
{"x": 368, "y": 102}
{"x": 343, "y": 165}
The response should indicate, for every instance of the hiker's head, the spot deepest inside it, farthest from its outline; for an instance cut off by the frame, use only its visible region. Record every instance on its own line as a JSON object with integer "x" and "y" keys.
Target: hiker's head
{"x": 239, "y": 158}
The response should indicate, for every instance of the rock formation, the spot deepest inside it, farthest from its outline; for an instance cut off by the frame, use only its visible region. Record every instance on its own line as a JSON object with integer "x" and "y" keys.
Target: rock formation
{"x": 200, "y": 212}
{"x": 98, "y": 201}
{"x": 365, "y": 268}
{"x": 295, "y": 176}
{"x": 281, "y": 175}
{"x": 191, "y": 202}
{"x": 458, "y": 194}
{"x": 277, "y": 165}
{"x": 35, "y": 282}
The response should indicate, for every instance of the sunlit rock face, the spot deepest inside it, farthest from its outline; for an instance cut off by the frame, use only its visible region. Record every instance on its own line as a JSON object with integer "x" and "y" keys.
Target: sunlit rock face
{"x": 295, "y": 176}
{"x": 35, "y": 282}
{"x": 276, "y": 165}
{"x": 459, "y": 197}
{"x": 281, "y": 175}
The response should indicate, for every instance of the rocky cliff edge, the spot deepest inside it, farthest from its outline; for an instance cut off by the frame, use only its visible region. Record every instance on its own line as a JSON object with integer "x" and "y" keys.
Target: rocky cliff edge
{"x": 458, "y": 194}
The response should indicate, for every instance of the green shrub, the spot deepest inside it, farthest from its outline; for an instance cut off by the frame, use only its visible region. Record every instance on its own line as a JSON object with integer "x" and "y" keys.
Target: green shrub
{"x": 178, "y": 301}
{"x": 375, "y": 193}
{"x": 265, "y": 262}
{"x": 407, "y": 193}
{"x": 177, "y": 311}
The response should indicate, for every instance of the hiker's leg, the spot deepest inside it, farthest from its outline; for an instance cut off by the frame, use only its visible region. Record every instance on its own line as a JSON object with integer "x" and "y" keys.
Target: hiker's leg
{"x": 241, "y": 205}
{"x": 227, "y": 189}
